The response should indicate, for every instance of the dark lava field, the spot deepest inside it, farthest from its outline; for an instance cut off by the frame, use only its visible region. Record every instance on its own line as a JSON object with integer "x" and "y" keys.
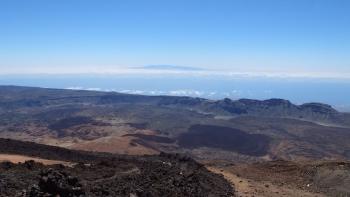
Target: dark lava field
{"x": 99, "y": 174}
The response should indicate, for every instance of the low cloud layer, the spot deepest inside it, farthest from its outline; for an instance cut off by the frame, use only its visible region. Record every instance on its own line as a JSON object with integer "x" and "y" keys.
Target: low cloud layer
{"x": 159, "y": 70}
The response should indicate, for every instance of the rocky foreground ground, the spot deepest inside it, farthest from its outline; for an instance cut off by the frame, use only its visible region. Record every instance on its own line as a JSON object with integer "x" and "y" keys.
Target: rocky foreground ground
{"x": 287, "y": 178}
{"x": 90, "y": 174}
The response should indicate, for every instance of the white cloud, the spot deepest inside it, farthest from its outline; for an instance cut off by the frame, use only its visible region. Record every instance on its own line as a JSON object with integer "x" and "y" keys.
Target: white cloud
{"x": 75, "y": 88}
{"x": 177, "y": 92}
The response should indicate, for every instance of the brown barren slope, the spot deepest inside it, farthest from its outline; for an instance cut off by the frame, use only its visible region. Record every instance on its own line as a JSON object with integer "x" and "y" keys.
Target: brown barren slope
{"x": 21, "y": 159}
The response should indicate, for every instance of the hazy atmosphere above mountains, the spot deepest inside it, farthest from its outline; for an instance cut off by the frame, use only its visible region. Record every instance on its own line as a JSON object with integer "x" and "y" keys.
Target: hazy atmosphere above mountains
{"x": 307, "y": 38}
{"x": 293, "y": 49}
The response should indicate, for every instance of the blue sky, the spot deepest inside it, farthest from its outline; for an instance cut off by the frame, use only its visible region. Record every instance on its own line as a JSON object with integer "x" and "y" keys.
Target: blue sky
{"x": 77, "y": 36}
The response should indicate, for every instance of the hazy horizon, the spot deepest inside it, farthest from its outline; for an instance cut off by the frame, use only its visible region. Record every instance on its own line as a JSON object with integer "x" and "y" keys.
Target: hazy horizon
{"x": 298, "y": 90}
{"x": 292, "y": 36}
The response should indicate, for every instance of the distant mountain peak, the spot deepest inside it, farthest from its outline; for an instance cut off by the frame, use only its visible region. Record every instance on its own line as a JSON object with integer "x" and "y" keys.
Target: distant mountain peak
{"x": 168, "y": 67}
